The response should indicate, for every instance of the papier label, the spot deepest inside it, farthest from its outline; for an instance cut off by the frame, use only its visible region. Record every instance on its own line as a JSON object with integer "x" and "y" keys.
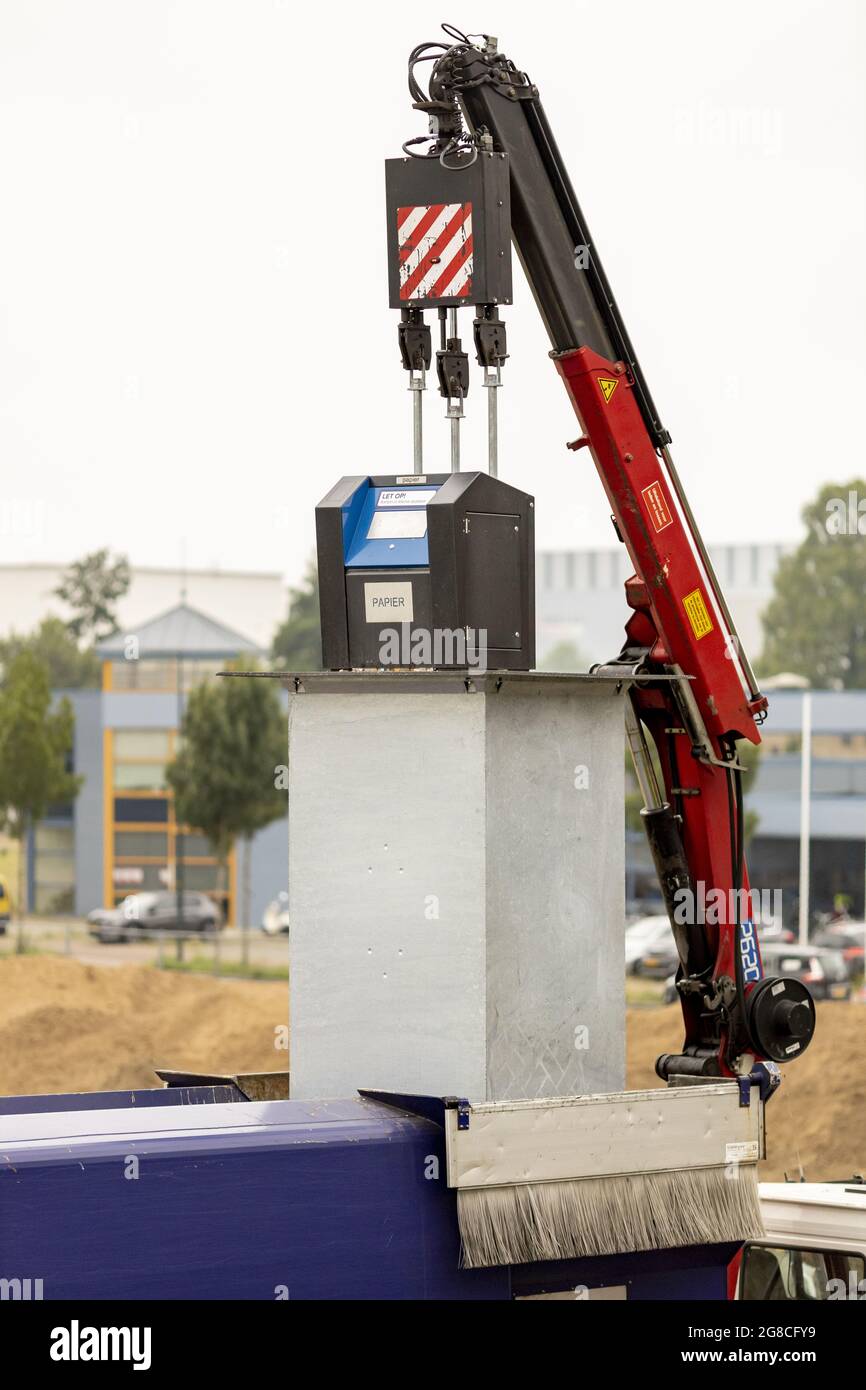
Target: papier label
{"x": 388, "y": 602}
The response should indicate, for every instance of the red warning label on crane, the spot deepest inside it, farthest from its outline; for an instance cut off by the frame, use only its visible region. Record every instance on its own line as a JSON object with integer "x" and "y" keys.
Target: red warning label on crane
{"x": 656, "y": 505}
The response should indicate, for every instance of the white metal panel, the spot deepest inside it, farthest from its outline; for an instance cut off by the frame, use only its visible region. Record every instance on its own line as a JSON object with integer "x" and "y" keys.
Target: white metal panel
{"x": 600, "y": 1136}
{"x": 456, "y": 885}
{"x": 555, "y": 891}
{"x": 817, "y": 1215}
{"x": 386, "y": 889}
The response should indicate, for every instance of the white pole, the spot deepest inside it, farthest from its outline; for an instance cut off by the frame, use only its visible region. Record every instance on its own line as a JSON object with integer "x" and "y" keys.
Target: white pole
{"x": 805, "y": 813}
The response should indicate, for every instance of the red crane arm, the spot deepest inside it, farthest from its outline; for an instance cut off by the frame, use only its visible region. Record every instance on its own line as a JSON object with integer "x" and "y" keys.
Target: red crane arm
{"x": 693, "y": 693}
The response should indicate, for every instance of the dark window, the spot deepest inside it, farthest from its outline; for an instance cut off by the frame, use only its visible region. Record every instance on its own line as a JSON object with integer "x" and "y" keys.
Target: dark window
{"x": 780, "y": 1274}
{"x": 150, "y": 810}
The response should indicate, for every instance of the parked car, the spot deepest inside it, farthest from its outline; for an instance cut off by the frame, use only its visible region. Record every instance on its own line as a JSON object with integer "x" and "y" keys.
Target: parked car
{"x": 5, "y": 906}
{"x": 847, "y": 937}
{"x": 638, "y": 908}
{"x": 646, "y": 938}
{"x": 276, "y": 915}
{"x": 657, "y": 962}
{"x": 821, "y": 968}
{"x": 774, "y": 931}
{"x": 147, "y": 912}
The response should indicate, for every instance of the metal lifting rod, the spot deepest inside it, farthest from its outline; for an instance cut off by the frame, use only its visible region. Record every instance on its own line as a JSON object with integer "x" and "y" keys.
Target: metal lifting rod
{"x": 417, "y": 383}
{"x": 490, "y": 352}
{"x": 455, "y": 413}
{"x": 452, "y": 369}
{"x": 492, "y": 381}
{"x": 416, "y": 351}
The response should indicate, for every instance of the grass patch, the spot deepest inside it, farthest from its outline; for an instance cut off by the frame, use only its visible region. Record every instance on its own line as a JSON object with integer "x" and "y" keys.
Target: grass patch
{"x": 640, "y": 992}
{"x": 9, "y": 948}
{"x": 235, "y": 969}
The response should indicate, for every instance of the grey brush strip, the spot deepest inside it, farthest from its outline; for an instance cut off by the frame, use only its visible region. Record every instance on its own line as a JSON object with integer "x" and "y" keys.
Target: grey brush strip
{"x": 605, "y": 1216}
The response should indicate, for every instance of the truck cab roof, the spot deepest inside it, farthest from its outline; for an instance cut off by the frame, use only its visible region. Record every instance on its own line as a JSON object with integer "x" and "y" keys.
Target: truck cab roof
{"x": 831, "y": 1215}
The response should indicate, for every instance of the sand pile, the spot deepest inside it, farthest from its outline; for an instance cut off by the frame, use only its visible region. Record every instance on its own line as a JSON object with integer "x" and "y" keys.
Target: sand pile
{"x": 65, "y": 1026}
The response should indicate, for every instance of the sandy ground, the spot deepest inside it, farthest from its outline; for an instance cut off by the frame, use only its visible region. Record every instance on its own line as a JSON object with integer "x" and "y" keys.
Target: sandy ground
{"x": 818, "y": 1115}
{"x": 69, "y": 1026}
{"x": 66, "y": 1025}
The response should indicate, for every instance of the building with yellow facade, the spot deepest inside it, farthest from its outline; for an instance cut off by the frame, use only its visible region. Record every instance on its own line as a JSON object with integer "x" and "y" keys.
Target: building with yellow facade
{"x": 121, "y": 835}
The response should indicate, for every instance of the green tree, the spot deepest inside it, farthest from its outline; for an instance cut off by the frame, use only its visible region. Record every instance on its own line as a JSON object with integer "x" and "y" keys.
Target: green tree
{"x": 565, "y": 656}
{"x": 297, "y": 644}
{"x": 815, "y": 623}
{"x": 225, "y": 777}
{"x": 69, "y": 668}
{"x": 35, "y": 745}
{"x": 92, "y": 587}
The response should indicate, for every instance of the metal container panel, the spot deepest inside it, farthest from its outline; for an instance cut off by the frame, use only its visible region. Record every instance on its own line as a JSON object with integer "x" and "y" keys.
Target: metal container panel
{"x": 604, "y": 1135}
{"x": 274, "y": 1200}
{"x": 477, "y": 189}
{"x": 456, "y": 885}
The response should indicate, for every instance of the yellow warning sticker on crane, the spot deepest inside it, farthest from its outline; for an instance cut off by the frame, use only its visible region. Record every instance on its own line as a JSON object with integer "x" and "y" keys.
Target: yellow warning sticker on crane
{"x": 696, "y": 612}
{"x": 608, "y": 385}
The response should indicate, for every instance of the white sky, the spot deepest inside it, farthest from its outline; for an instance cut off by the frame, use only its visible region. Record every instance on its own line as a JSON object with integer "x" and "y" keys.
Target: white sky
{"x": 195, "y": 340}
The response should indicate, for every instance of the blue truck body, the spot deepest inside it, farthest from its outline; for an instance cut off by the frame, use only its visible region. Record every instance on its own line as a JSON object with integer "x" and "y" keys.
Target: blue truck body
{"x": 196, "y": 1192}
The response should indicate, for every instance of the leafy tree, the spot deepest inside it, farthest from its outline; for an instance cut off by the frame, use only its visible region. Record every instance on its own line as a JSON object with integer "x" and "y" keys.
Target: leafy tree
{"x": 92, "y": 587}
{"x": 297, "y": 644}
{"x": 815, "y": 623}
{"x": 69, "y": 668}
{"x": 35, "y": 744}
{"x": 224, "y": 776}
{"x": 565, "y": 656}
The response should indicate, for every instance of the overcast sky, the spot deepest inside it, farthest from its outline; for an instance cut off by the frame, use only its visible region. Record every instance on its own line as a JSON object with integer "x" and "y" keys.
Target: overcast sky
{"x": 196, "y": 340}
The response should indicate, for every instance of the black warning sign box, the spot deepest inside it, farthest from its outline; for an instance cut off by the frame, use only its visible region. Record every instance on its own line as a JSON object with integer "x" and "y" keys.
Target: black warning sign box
{"x": 449, "y": 230}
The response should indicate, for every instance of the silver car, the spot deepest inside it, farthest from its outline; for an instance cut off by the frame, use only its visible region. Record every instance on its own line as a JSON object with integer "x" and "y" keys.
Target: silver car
{"x": 648, "y": 934}
{"x": 147, "y": 912}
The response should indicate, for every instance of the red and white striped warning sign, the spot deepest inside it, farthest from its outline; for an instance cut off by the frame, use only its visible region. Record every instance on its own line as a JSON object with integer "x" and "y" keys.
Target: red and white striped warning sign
{"x": 435, "y": 249}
